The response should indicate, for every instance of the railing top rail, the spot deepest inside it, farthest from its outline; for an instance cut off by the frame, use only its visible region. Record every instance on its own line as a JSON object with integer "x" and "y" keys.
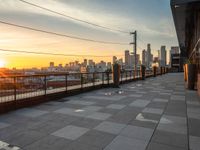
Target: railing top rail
{"x": 48, "y": 74}
{"x": 62, "y": 74}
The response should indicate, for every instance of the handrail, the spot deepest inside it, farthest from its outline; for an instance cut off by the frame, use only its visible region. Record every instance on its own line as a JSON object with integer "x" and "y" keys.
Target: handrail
{"x": 60, "y": 74}
{"x": 50, "y": 74}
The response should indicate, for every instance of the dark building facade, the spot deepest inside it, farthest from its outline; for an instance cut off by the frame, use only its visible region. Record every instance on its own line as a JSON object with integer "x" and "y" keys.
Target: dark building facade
{"x": 175, "y": 63}
{"x": 186, "y": 15}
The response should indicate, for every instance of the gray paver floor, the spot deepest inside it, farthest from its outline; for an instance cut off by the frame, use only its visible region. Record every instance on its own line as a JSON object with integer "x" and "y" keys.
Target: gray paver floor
{"x": 155, "y": 114}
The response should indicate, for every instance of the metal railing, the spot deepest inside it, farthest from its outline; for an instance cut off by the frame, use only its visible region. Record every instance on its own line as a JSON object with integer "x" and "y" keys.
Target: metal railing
{"x": 15, "y": 88}
{"x": 21, "y": 87}
{"x": 128, "y": 75}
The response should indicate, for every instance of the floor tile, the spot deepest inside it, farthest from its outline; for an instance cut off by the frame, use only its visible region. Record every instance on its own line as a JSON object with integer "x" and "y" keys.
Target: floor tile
{"x": 137, "y": 132}
{"x": 116, "y": 106}
{"x": 125, "y": 143}
{"x": 135, "y": 95}
{"x": 178, "y": 97}
{"x": 110, "y": 127}
{"x": 30, "y": 112}
{"x": 194, "y": 142}
{"x": 193, "y": 115}
{"x": 92, "y": 108}
{"x": 160, "y": 100}
{"x": 96, "y": 138}
{"x": 140, "y": 103}
{"x": 86, "y": 123}
{"x": 169, "y": 138}
{"x": 157, "y": 146}
{"x": 49, "y": 143}
{"x": 99, "y": 116}
{"x": 153, "y": 110}
{"x": 70, "y": 132}
{"x": 3, "y": 125}
{"x": 79, "y": 102}
{"x": 194, "y": 125}
{"x": 79, "y": 146}
{"x": 74, "y": 112}
{"x": 145, "y": 124}
{"x": 166, "y": 119}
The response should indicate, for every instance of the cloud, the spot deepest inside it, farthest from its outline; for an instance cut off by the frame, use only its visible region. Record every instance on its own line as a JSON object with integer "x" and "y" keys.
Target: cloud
{"x": 125, "y": 15}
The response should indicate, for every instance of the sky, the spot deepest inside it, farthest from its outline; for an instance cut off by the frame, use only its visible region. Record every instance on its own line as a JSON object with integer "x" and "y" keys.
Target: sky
{"x": 151, "y": 18}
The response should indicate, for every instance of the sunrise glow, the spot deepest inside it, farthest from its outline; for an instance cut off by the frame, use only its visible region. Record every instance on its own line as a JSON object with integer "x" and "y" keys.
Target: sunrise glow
{"x": 2, "y": 63}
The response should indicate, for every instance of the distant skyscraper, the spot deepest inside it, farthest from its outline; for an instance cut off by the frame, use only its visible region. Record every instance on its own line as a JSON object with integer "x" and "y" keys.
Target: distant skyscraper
{"x": 149, "y": 56}
{"x": 85, "y": 63}
{"x": 131, "y": 61}
{"x": 120, "y": 61}
{"x": 159, "y": 57}
{"x": 144, "y": 53}
{"x": 114, "y": 59}
{"x": 162, "y": 56}
{"x": 138, "y": 59}
{"x": 60, "y": 66}
{"x": 91, "y": 62}
{"x": 51, "y": 64}
{"x": 151, "y": 60}
{"x": 109, "y": 65}
{"x": 127, "y": 58}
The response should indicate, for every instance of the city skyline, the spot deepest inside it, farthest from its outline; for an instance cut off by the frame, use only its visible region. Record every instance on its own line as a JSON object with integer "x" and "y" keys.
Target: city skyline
{"x": 121, "y": 58}
{"x": 133, "y": 19}
{"x": 126, "y": 61}
{"x": 95, "y": 59}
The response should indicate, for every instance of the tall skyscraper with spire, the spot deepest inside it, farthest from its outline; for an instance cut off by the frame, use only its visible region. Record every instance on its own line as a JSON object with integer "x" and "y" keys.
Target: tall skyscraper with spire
{"x": 149, "y": 56}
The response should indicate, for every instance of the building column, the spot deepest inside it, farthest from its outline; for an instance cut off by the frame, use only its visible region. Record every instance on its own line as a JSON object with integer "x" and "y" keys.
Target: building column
{"x": 154, "y": 71}
{"x": 116, "y": 75}
{"x": 142, "y": 72}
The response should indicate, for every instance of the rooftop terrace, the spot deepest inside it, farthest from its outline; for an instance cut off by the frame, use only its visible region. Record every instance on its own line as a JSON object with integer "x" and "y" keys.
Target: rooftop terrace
{"x": 155, "y": 114}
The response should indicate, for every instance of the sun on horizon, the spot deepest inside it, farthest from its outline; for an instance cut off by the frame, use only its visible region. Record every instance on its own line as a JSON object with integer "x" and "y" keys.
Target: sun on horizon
{"x": 2, "y": 63}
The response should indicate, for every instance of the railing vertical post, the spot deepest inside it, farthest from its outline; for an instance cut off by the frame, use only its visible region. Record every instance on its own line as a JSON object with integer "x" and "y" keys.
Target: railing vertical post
{"x": 66, "y": 83}
{"x": 81, "y": 81}
{"x": 15, "y": 89}
{"x": 102, "y": 78}
{"x": 108, "y": 77}
{"x": 121, "y": 76}
{"x": 45, "y": 85}
{"x": 93, "y": 79}
{"x": 132, "y": 75}
{"x": 126, "y": 76}
{"x": 138, "y": 73}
